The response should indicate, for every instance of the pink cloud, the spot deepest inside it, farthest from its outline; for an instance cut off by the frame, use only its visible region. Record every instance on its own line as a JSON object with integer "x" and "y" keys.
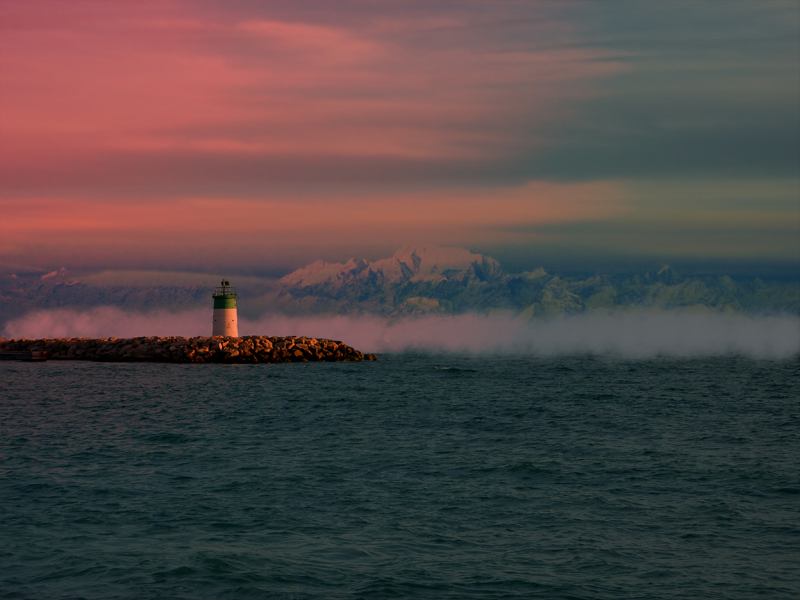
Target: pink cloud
{"x": 135, "y": 133}
{"x": 119, "y": 97}
{"x": 176, "y": 228}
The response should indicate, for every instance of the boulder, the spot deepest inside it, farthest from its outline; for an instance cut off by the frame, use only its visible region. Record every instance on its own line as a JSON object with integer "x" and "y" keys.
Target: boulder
{"x": 250, "y": 349}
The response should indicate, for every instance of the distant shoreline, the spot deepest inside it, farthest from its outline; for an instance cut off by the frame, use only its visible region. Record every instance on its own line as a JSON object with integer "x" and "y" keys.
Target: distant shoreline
{"x": 250, "y": 349}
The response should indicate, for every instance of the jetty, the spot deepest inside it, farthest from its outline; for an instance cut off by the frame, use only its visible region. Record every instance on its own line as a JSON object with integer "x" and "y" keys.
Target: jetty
{"x": 217, "y": 349}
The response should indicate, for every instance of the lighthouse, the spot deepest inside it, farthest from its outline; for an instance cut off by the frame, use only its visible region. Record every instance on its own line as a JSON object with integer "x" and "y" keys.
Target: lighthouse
{"x": 225, "y": 321}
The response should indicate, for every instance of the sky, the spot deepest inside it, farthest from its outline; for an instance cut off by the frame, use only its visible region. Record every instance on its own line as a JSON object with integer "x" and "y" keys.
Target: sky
{"x": 257, "y": 137}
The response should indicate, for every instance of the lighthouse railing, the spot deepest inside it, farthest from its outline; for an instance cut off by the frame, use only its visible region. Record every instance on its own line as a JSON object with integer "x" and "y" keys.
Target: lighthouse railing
{"x": 225, "y": 290}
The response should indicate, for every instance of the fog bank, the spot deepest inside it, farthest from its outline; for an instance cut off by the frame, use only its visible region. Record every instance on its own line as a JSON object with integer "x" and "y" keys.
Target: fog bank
{"x": 637, "y": 334}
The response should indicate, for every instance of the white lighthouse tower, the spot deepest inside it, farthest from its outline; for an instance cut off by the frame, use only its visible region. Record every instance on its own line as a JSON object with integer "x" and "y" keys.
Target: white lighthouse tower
{"x": 225, "y": 321}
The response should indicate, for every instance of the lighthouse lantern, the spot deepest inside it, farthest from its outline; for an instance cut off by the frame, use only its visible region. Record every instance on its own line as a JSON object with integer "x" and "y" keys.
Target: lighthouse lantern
{"x": 225, "y": 321}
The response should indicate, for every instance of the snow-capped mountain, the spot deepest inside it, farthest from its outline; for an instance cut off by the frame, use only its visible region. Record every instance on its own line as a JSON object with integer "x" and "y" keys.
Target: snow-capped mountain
{"x": 416, "y": 279}
{"x": 411, "y": 264}
{"x": 428, "y": 280}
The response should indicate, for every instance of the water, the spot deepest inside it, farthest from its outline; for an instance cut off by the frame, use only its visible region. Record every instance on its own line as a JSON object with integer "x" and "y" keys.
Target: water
{"x": 419, "y": 476}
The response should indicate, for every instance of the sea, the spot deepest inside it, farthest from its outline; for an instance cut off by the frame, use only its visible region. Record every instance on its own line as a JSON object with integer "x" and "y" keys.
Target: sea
{"x": 421, "y": 475}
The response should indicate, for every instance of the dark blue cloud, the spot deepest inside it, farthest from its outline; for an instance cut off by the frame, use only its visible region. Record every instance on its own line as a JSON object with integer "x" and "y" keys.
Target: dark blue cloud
{"x": 712, "y": 89}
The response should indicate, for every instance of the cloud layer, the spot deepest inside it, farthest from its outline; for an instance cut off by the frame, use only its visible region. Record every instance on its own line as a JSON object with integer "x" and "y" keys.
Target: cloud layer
{"x": 158, "y": 97}
{"x": 151, "y": 134}
{"x": 630, "y": 335}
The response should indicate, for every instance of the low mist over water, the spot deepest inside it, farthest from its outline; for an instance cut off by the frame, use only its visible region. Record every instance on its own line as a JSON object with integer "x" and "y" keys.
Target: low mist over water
{"x": 631, "y": 334}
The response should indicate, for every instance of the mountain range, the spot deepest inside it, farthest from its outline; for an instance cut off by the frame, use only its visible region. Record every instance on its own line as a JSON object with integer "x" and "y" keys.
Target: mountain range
{"x": 425, "y": 280}
{"x": 416, "y": 280}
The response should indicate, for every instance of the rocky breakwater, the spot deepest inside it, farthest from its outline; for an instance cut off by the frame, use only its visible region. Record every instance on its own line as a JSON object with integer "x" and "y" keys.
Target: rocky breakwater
{"x": 218, "y": 349}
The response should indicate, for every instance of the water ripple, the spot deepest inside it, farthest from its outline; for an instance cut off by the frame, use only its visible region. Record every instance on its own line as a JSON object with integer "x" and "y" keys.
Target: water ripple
{"x": 418, "y": 477}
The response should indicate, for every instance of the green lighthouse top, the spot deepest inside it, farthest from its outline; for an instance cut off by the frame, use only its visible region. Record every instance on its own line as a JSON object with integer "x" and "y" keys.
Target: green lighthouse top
{"x": 225, "y": 295}
{"x": 225, "y": 289}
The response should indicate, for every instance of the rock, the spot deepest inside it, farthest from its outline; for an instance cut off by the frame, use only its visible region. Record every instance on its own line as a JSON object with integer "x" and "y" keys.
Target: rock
{"x": 250, "y": 349}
